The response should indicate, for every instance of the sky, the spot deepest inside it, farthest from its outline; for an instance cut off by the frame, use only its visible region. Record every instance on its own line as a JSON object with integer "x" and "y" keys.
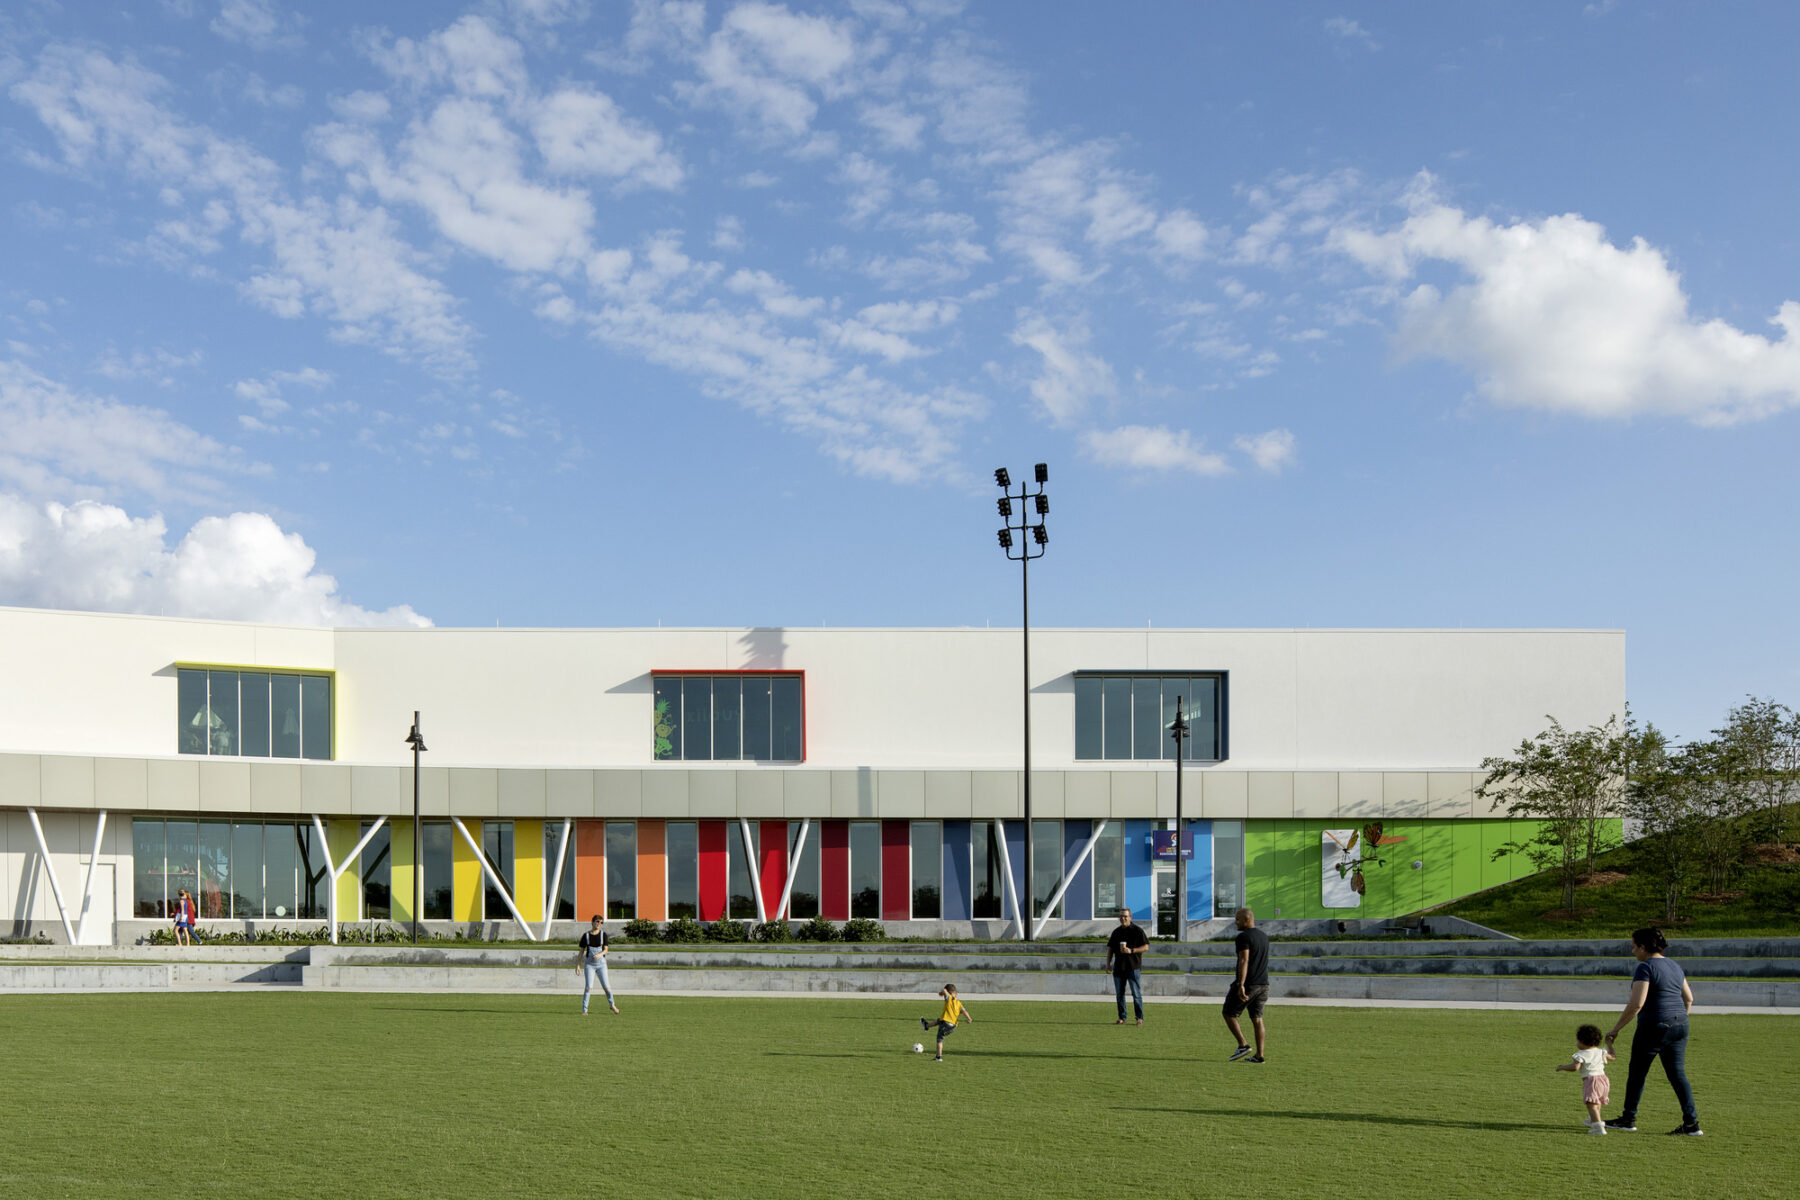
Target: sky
{"x": 555, "y": 313}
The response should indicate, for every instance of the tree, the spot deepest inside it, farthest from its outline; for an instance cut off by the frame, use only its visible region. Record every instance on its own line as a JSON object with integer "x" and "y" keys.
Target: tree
{"x": 1757, "y": 759}
{"x": 1570, "y": 783}
{"x": 1662, "y": 796}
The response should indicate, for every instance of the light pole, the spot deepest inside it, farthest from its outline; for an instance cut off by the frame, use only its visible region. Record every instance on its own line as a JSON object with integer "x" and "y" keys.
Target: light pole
{"x": 1179, "y": 731}
{"x": 416, "y": 740}
{"x": 1031, "y": 504}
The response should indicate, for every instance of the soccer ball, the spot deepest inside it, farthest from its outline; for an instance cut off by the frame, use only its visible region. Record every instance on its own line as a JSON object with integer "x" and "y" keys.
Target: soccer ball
{"x": 918, "y": 1047}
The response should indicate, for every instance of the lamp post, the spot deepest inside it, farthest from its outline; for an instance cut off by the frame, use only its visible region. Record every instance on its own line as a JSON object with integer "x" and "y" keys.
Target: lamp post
{"x": 416, "y": 740}
{"x": 1179, "y": 731}
{"x": 1030, "y": 544}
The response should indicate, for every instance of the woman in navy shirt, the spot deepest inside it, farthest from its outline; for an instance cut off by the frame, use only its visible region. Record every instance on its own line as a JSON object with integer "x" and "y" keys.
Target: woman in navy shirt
{"x": 1660, "y": 1000}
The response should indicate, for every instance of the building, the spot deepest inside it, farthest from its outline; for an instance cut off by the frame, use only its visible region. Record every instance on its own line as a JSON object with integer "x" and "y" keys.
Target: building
{"x": 657, "y": 773}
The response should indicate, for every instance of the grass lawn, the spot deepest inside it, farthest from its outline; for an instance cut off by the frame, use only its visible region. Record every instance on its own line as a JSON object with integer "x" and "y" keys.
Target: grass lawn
{"x": 295, "y": 1094}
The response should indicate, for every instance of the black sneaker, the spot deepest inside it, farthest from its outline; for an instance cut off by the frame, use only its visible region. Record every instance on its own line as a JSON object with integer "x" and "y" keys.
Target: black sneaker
{"x": 1254, "y": 1058}
{"x": 1240, "y": 1052}
{"x": 1620, "y": 1125}
{"x": 1687, "y": 1129}
{"x": 925, "y": 1024}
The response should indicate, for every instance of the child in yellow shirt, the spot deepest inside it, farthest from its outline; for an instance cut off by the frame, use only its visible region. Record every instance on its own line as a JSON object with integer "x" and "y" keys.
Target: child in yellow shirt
{"x": 946, "y": 1022}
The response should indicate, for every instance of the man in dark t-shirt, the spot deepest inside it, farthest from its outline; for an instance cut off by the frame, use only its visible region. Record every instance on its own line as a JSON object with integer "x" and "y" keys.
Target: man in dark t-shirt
{"x": 1125, "y": 955}
{"x": 1249, "y": 988}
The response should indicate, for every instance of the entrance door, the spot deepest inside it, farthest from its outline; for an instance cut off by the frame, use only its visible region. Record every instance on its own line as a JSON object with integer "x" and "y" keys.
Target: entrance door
{"x": 96, "y": 924}
{"x": 1165, "y": 901}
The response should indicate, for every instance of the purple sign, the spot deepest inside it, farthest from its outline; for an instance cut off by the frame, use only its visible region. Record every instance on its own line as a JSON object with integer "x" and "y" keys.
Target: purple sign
{"x": 1162, "y": 844}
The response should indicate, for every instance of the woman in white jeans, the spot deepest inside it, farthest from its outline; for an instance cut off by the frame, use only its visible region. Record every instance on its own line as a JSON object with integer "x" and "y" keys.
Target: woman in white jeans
{"x": 591, "y": 952}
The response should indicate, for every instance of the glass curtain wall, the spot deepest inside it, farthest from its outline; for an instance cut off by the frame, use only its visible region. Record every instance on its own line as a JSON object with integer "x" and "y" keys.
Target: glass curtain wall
{"x": 281, "y": 872}
{"x": 990, "y": 883}
{"x": 1109, "y": 870}
{"x": 497, "y": 848}
{"x": 1228, "y": 867}
{"x": 727, "y": 717}
{"x": 681, "y": 843}
{"x": 564, "y": 909}
{"x": 256, "y": 714}
{"x": 247, "y": 871}
{"x": 377, "y": 870}
{"x": 865, "y": 869}
{"x": 1128, "y": 716}
{"x": 742, "y": 903}
{"x": 803, "y": 900}
{"x": 927, "y": 870}
{"x": 1046, "y": 865}
{"x": 621, "y": 870}
{"x": 213, "y": 896}
{"x": 436, "y": 847}
{"x": 147, "y": 867}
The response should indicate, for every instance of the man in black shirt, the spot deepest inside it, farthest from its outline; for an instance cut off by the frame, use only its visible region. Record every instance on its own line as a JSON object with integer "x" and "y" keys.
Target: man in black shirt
{"x": 1250, "y": 988}
{"x": 1125, "y": 955}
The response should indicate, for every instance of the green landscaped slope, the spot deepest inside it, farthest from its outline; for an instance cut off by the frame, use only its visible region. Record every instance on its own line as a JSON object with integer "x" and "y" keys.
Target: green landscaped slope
{"x": 1283, "y": 860}
{"x": 375, "y": 1096}
{"x": 1766, "y": 904}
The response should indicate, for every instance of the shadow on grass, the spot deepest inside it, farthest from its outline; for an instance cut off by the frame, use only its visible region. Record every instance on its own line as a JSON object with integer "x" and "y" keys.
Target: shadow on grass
{"x": 1370, "y": 1119}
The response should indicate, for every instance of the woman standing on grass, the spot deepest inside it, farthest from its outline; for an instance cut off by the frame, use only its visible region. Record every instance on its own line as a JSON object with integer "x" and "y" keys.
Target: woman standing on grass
{"x": 1660, "y": 1000}
{"x": 590, "y": 952}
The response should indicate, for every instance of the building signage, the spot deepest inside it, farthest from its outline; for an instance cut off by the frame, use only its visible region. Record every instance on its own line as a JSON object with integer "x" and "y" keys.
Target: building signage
{"x": 1162, "y": 845}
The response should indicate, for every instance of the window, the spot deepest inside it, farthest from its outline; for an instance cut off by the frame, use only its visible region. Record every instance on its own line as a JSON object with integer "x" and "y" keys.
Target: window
{"x": 1046, "y": 865}
{"x": 1109, "y": 870}
{"x": 497, "y": 848}
{"x": 755, "y": 717}
{"x": 621, "y": 870}
{"x": 377, "y": 871}
{"x": 438, "y": 869}
{"x": 927, "y": 870}
{"x": 1128, "y": 716}
{"x": 682, "y": 845}
{"x": 254, "y": 714}
{"x": 281, "y": 866}
{"x": 147, "y": 867}
{"x": 315, "y": 882}
{"x": 989, "y": 876}
{"x": 564, "y": 905}
{"x": 212, "y": 898}
{"x": 1228, "y": 867}
{"x": 742, "y": 903}
{"x": 247, "y": 871}
{"x": 865, "y": 869}
{"x": 803, "y": 900}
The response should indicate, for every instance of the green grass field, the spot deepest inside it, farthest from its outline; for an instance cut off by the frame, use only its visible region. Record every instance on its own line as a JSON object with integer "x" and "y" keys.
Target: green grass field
{"x": 290, "y": 1094}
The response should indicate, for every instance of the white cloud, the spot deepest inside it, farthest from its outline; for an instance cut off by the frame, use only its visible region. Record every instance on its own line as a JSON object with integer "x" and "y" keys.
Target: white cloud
{"x": 1152, "y": 448}
{"x": 1271, "y": 451}
{"x": 243, "y": 567}
{"x": 61, "y": 443}
{"x": 766, "y": 64}
{"x": 1551, "y": 315}
{"x": 1069, "y": 378}
{"x": 1346, "y": 30}
{"x": 341, "y": 261}
{"x": 257, "y": 24}
{"x": 1182, "y": 235}
{"x": 265, "y": 393}
{"x": 582, "y": 132}
{"x": 462, "y": 167}
{"x": 469, "y": 55}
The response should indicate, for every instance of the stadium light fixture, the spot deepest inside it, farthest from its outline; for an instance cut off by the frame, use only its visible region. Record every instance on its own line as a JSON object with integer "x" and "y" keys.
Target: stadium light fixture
{"x": 1030, "y": 544}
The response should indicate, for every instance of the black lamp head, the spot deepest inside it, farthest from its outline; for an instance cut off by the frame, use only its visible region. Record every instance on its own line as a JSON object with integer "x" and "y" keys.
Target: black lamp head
{"x": 1001, "y": 477}
{"x": 1006, "y": 539}
{"x": 1043, "y": 504}
{"x": 1039, "y": 535}
{"x": 1043, "y": 472}
{"x": 1005, "y": 507}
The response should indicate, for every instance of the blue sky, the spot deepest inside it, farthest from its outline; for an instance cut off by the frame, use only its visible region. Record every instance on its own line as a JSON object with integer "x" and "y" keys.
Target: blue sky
{"x": 556, "y": 313}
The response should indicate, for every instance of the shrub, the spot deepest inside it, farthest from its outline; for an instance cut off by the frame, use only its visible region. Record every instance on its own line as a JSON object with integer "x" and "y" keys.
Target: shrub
{"x": 727, "y": 931}
{"x": 641, "y": 930}
{"x": 774, "y": 931}
{"x": 683, "y": 929}
{"x": 862, "y": 929}
{"x": 818, "y": 930}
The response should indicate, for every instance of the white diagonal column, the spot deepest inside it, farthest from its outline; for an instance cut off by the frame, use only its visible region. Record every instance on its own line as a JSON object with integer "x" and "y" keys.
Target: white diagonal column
{"x": 87, "y": 882}
{"x": 62, "y": 910}
{"x": 793, "y": 861}
{"x": 1012, "y": 893}
{"x": 555, "y": 892}
{"x": 493, "y": 877}
{"x": 1068, "y": 878}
